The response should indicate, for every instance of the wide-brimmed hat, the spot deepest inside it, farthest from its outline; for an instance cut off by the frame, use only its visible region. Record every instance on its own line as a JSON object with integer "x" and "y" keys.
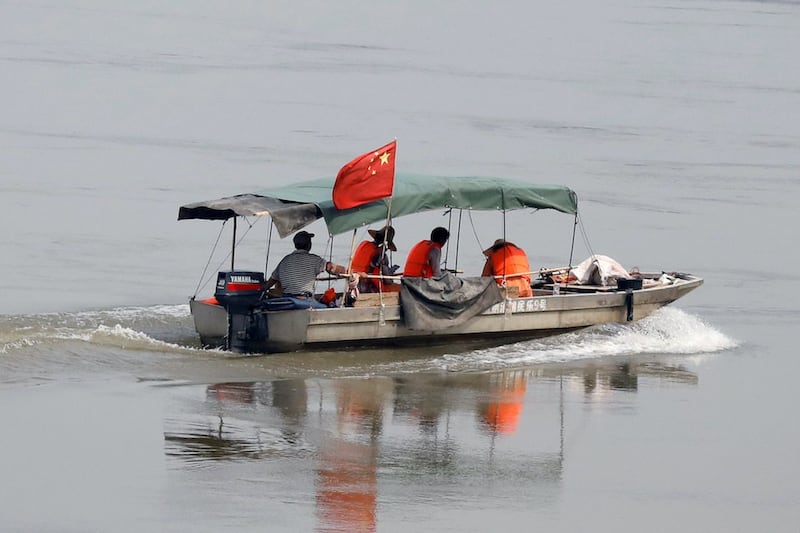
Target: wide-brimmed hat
{"x": 388, "y": 232}
{"x": 497, "y": 244}
{"x": 302, "y": 239}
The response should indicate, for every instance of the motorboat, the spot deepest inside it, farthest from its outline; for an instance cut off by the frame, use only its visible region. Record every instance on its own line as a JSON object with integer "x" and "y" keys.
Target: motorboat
{"x": 243, "y": 317}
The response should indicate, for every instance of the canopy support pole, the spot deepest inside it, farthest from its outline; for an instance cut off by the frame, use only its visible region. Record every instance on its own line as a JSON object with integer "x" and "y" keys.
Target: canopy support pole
{"x": 349, "y": 265}
{"x": 233, "y": 245}
{"x": 505, "y": 250}
{"x": 572, "y": 246}
{"x": 352, "y": 250}
{"x": 269, "y": 244}
{"x": 458, "y": 236}
{"x": 210, "y": 257}
{"x": 449, "y": 227}
{"x": 330, "y": 255}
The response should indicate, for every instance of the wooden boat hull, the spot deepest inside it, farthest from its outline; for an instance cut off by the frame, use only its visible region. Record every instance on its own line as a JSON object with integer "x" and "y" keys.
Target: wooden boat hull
{"x": 541, "y": 315}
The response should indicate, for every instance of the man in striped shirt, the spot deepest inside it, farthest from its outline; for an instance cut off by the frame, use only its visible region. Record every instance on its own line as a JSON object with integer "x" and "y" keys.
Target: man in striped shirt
{"x": 298, "y": 271}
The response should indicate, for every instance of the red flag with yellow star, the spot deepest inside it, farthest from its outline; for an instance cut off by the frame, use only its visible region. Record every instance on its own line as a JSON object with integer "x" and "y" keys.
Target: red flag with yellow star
{"x": 366, "y": 178}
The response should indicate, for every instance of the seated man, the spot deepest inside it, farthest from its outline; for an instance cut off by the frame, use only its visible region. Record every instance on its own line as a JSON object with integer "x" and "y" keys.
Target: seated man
{"x": 509, "y": 265}
{"x": 298, "y": 271}
{"x": 370, "y": 258}
{"x": 424, "y": 259}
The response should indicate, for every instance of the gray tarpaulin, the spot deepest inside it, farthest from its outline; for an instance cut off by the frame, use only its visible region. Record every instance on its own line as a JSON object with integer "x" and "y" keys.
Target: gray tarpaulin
{"x": 440, "y": 303}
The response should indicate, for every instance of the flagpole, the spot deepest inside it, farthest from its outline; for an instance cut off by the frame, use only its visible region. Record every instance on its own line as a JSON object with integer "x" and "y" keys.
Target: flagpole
{"x": 391, "y": 197}
{"x": 386, "y": 231}
{"x": 388, "y": 223}
{"x": 383, "y": 248}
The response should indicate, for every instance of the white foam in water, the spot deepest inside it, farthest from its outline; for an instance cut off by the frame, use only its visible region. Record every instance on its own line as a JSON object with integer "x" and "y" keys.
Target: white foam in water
{"x": 17, "y": 344}
{"x": 130, "y": 339}
{"x": 120, "y": 336}
{"x": 668, "y": 331}
{"x": 132, "y": 313}
{"x": 119, "y": 326}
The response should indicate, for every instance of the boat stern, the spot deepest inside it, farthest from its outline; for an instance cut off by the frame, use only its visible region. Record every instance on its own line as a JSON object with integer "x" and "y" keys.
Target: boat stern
{"x": 210, "y": 321}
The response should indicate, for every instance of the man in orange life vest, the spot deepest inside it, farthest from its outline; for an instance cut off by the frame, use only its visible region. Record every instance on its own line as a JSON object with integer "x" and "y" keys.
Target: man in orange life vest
{"x": 425, "y": 257}
{"x": 370, "y": 257}
{"x": 508, "y": 261}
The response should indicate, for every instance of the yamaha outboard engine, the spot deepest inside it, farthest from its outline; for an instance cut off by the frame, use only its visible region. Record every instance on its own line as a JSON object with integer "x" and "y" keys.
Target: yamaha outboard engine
{"x": 240, "y": 293}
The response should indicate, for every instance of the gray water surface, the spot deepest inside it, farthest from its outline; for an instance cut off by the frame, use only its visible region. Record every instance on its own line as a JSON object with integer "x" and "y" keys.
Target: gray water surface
{"x": 676, "y": 124}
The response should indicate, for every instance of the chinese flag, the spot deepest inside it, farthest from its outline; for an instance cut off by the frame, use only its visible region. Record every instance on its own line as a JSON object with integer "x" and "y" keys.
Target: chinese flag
{"x": 366, "y": 178}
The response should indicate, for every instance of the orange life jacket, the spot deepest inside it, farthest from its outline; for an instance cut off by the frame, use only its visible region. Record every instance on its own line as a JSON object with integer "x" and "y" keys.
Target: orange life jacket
{"x": 362, "y": 261}
{"x": 363, "y": 257}
{"x": 417, "y": 262}
{"x": 508, "y": 260}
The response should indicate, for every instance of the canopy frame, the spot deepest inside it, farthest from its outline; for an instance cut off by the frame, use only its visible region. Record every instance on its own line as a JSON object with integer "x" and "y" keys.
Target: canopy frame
{"x": 293, "y": 207}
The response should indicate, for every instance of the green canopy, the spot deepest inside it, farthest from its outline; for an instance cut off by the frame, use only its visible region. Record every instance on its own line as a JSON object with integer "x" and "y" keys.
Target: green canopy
{"x": 295, "y": 206}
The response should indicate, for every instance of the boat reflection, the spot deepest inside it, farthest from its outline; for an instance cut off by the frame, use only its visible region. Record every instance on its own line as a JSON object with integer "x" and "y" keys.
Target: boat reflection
{"x": 624, "y": 376}
{"x": 351, "y": 435}
{"x": 502, "y": 412}
{"x": 347, "y": 474}
{"x": 287, "y": 396}
{"x": 233, "y": 428}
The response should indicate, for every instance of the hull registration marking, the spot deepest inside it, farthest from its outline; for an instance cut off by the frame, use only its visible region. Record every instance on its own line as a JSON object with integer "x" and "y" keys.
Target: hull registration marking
{"x": 525, "y": 305}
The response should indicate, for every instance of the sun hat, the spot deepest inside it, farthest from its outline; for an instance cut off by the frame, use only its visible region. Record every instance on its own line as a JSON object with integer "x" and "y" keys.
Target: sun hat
{"x": 378, "y": 236}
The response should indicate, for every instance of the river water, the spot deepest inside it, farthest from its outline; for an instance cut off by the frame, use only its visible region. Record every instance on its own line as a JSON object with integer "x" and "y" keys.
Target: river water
{"x": 676, "y": 122}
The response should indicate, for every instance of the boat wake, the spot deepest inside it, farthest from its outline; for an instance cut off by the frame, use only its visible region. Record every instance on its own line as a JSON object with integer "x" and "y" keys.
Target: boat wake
{"x": 156, "y": 328}
{"x": 669, "y": 331}
{"x": 131, "y": 339}
{"x": 104, "y": 338}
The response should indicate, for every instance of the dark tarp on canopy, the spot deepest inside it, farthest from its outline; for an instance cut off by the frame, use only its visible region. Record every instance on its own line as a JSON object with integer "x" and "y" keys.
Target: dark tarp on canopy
{"x": 440, "y": 303}
{"x": 294, "y": 206}
{"x": 288, "y": 216}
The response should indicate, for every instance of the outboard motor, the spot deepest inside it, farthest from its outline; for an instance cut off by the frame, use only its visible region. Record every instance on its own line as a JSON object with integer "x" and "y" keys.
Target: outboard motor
{"x": 240, "y": 293}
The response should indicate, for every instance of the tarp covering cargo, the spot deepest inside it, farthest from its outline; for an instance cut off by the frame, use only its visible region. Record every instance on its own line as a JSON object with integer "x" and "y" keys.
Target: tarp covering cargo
{"x": 440, "y": 303}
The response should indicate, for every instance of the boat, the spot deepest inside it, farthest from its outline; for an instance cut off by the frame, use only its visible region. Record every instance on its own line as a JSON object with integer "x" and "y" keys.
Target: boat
{"x": 241, "y": 317}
